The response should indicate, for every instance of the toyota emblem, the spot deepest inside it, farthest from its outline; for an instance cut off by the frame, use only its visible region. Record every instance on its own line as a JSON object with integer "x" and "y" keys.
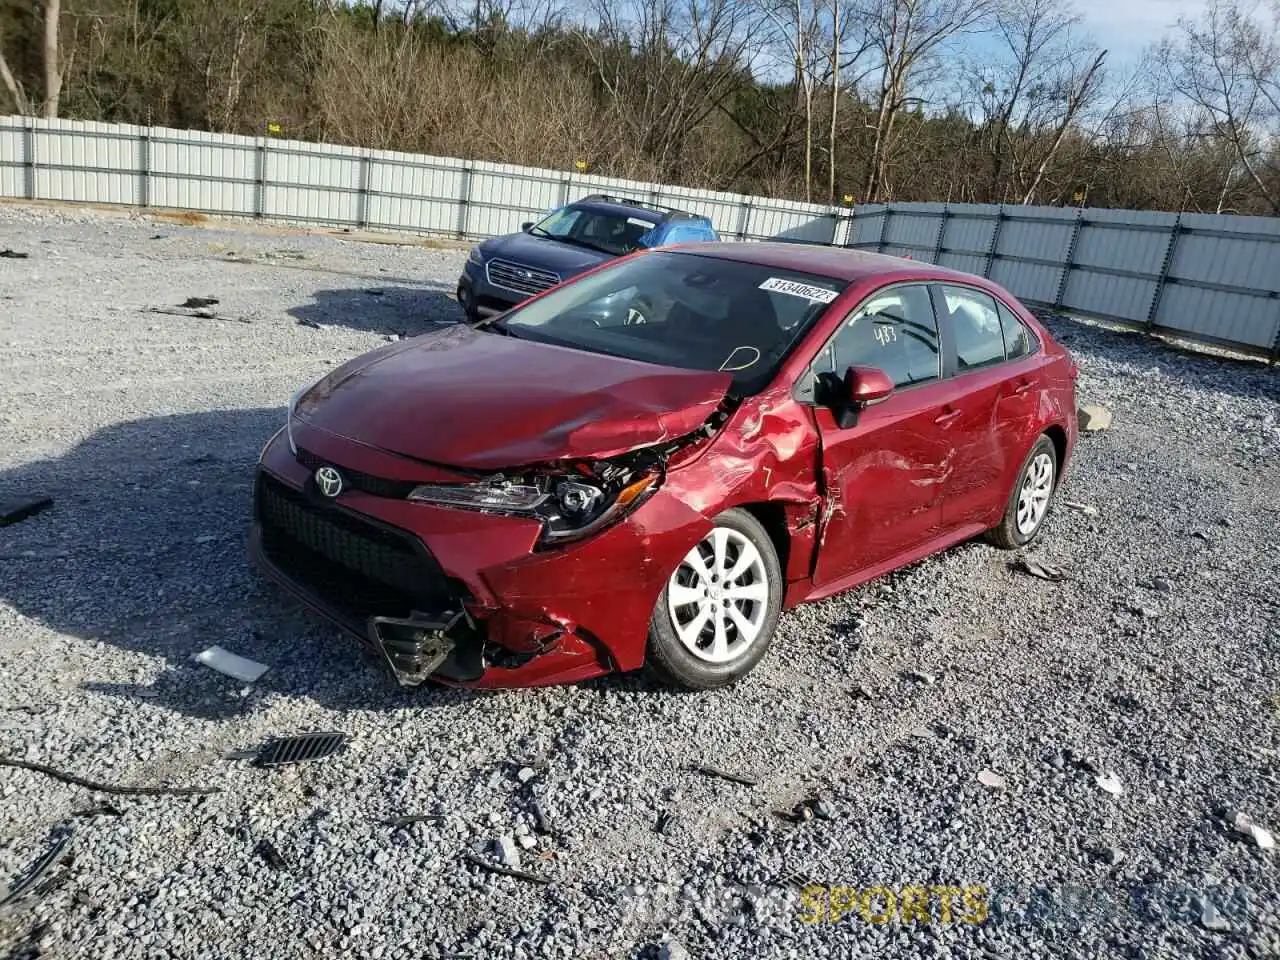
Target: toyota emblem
{"x": 329, "y": 481}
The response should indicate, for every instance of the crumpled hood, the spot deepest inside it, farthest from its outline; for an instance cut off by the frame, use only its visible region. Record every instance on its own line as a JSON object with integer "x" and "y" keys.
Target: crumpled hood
{"x": 483, "y": 401}
{"x": 563, "y": 258}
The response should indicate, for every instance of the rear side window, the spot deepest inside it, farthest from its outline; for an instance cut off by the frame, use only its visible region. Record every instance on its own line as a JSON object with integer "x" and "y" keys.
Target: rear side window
{"x": 895, "y": 331}
{"x": 1017, "y": 338}
{"x": 975, "y": 327}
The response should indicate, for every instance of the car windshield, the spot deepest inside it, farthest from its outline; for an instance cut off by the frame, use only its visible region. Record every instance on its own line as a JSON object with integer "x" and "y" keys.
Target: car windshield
{"x": 683, "y": 310}
{"x": 612, "y": 233}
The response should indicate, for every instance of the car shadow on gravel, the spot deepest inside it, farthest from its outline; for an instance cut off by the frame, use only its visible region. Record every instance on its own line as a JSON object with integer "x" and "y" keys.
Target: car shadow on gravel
{"x": 144, "y": 552}
{"x": 399, "y": 311}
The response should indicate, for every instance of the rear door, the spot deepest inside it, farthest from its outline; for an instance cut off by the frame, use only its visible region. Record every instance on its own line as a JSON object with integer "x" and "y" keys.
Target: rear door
{"x": 882, "y": 476}
{"x": 995, "y": 404}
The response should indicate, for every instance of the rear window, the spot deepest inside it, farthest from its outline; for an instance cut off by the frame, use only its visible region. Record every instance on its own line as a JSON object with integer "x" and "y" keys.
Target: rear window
{"x": 683, "y": 310}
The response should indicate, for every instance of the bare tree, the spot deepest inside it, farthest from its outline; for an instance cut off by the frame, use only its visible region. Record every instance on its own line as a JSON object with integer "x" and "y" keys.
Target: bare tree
{"x": 667, "y": 68}
{"x": 1226, "y": 66}
{"x": 12, "y": 85}
{"x": 905, "y": 33}
{"x": 792, "y": 28}
{"x": 55, "y": 69}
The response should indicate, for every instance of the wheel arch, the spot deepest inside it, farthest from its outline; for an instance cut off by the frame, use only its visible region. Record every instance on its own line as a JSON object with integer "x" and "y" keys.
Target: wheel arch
{"x": 1059, "y": 437}
{"x": 772, "y": 515}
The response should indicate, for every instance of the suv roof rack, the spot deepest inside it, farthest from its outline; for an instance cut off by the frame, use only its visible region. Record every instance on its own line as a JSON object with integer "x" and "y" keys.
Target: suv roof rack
{"x": 674, "y": 213}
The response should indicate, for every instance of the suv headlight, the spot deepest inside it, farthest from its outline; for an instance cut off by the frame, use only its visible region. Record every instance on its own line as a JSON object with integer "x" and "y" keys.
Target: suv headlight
{"x": 570, "y": 507}
{"x": 474, "y": 256}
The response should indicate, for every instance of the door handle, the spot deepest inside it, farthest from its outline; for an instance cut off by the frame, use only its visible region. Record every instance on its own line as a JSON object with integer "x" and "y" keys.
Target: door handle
{"x": 946, "y": 417}
{"x": 1022, "y": 387}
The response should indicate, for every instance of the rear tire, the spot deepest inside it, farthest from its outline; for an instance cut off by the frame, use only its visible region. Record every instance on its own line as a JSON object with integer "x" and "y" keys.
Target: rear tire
{"x": 1029, "y": 502}
{"x": 716, "y": 617}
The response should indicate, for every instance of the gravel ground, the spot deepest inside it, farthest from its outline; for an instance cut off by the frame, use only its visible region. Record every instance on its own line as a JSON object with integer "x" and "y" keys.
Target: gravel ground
{"x": 1155, "y": 661}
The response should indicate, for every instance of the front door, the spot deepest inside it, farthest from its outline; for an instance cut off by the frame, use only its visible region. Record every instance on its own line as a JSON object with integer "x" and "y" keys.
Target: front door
{"x": 882, "y": 477}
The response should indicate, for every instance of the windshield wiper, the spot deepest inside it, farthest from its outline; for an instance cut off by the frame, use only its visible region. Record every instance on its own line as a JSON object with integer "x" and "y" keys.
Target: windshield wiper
{"x": 539, "y": 232}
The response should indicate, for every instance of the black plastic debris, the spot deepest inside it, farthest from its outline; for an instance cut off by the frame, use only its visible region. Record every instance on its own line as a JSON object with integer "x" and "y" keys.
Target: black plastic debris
{"x": 490, "y": 867}
{"x": 101, "y": 810}
{"x": 664, "y": 821}
{"x": 725, "y": 775}
{"x": 411, "y": 818}
{"x": 309, "y": 323}
{"x": 297, "y": 749}
{"x": 8, "y": 254}
{"x": 37, "y": 871}
{"x": 18, "y": 510}
{"x": 270, "y": 855}
{"x": 192, "y": 303}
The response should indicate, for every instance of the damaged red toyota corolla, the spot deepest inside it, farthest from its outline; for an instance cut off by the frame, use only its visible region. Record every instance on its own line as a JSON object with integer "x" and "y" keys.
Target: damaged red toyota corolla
{"x": 648, "y": 463}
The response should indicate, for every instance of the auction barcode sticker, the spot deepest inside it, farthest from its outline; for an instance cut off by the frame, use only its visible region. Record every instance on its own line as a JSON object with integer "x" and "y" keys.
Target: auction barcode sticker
{"x": 796, "y": 289}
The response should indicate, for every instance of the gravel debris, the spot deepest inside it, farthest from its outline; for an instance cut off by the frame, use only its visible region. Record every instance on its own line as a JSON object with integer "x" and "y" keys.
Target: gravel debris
{"x": 145, "y": 429}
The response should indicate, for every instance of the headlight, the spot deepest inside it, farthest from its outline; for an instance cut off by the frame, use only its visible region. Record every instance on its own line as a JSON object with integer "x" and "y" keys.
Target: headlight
{"x": 569, "y": 507}
{"x": 474, "y": 256}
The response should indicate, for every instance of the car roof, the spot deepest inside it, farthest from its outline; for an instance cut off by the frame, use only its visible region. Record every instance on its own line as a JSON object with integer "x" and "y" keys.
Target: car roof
{"x": 838, "y": 263}
{"x": 622, "y": 209}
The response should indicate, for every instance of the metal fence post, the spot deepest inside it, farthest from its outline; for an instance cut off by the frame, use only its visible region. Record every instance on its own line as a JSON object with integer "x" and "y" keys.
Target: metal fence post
{"x": 363, "y": 175}
{"x": 1170, "y": 249}
{"x": 260, "y": 180}
{"x": 884, "y": 229}
{"x": 1068, "y": 260}
{"x": 29, "y": 158}
{"x": 850, "y": 227}
{"x": 744, "y": 218}
{"x": 144, "y": 172}
{"x": 994, "y": 243}
{"x": 942, "y": 229}
{"x": 464, "y": 202}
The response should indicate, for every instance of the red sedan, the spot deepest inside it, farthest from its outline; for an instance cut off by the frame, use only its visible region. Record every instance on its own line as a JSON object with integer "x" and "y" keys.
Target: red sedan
{"x": 648, "y": 463}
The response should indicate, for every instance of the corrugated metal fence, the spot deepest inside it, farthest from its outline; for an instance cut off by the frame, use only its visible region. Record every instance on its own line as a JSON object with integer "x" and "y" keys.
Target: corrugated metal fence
{"x": 1215, "y": 279}
{"x": 270, "y": 178}
{"x": 1212, "y": 278}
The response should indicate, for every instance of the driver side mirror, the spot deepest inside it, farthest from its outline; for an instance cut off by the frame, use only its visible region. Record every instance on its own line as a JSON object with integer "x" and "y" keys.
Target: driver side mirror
{"x": 860, "y": 387}
{"x": 524, "y": 227}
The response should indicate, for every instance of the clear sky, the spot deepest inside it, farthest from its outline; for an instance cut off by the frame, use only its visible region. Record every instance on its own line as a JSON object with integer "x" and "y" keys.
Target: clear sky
{"x": 1125, "y": 27}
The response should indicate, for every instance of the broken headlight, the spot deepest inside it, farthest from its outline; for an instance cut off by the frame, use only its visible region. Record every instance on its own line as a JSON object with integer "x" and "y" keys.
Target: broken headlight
{"x": 569, "y": 507}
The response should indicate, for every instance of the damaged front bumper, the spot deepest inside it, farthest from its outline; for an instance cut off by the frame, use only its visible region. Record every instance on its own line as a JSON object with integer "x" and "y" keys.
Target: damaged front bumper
{"x": 472, "y": 602}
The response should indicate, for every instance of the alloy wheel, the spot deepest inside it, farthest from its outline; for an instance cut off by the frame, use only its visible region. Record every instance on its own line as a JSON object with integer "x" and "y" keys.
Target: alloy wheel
{"x": 1033, "y": 498}
{"x": 718, "y": 597}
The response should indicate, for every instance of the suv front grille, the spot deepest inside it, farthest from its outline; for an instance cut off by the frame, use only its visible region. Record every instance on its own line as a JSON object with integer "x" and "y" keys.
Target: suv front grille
{"x": 356, "y": 565}
{"x": 520, "y": 278}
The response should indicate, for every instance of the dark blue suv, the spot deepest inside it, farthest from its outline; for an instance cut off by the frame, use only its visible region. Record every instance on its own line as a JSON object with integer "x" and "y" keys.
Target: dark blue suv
{"x": 502, "y": 272}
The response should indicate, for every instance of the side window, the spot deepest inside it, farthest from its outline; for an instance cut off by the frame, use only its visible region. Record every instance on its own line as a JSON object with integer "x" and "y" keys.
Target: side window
{"x": 1018, "y": 342}
{"x": 975, "y": 326}
{"x": 894, "y": 331}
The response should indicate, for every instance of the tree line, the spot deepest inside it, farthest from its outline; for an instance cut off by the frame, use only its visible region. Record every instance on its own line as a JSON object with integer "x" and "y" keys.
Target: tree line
{"x": 843, "y": 101}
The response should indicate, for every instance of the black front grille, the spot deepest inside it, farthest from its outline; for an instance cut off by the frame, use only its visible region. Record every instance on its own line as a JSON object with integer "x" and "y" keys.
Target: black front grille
{"x": 355, "y": 480}
{"x": 361, "y": 567}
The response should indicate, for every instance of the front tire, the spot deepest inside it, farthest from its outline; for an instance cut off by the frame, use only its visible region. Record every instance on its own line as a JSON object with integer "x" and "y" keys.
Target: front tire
{"x": 716, "y": 617}
{"x": 1029, "y": 502}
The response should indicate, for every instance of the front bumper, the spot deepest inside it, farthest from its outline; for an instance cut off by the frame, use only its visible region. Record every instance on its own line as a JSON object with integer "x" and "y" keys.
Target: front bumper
{"x": 457, "y": 596}
{"x": 480, "y": 298}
